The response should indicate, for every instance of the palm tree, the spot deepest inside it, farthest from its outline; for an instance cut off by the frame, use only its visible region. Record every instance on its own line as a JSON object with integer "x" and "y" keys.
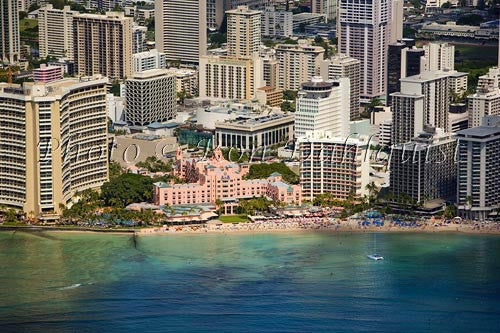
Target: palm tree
{"x": 373, "y": 191}
{"x": 468, "y": 202}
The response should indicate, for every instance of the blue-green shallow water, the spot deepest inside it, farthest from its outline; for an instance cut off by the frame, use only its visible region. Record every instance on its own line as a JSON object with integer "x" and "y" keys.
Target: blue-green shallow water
{"x": 285, "y": 282}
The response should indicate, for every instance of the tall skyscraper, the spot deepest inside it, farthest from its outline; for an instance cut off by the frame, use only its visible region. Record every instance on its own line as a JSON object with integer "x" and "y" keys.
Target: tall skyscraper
{"x": 230, "y": 77}
{"x": 323, "y": 106}
{"x": 94, "y": 54}
{"x": 37, "y": 175}
{"x": 402, "y": 60}
{"x": 478, "y": 171}
{"x": 407, "y": 116}
{"x": 394, "y": 69}
{"x": 55, "y": 30}
{"x": 243, "y": 32}
{"x": 436, "y": 88}
{"x": 424, "y": 168}
{"x": 397, "y": 15}
{"x": 150, "y": 97}
{"x": 339, "y": 66}
{"x": 413, "y": 58}
{"x": 181, "y": 29}
{"x": 363, "y": 31}
{"x": 9, "y": 31}
{"x": 298, "y": 63}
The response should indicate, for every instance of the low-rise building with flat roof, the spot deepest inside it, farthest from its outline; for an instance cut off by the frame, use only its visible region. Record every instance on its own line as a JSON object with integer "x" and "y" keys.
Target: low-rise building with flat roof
{"x": 254, "y": 131}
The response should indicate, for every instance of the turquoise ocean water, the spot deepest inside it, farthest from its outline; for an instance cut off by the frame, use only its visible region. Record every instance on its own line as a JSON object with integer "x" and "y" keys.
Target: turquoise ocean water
{"x": 279, "y": 282}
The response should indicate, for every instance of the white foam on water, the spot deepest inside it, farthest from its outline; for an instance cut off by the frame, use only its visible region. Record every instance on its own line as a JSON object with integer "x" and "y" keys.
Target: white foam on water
{"x": 73, "y": 286}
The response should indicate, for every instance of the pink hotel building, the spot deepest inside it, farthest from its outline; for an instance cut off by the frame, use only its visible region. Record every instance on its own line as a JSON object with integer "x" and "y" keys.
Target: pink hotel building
{"x": 218, "y": 178}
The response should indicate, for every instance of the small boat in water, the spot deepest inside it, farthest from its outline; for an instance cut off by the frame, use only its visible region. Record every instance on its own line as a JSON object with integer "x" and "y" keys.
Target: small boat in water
{"x": 375, "y": 257}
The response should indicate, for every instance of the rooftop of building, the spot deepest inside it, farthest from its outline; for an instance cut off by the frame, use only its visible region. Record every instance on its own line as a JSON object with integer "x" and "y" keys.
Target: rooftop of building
{"x": 47, "y": 68}
{"x": 282, "y": 184}
{"x": 243, "y": 10}
{"x": 329, "y": 137}
{"x": 50, "y": 89}
{"x": 480, "y": 132}
{"x": 317, "y": 83}
{"x": 301, "y": 46}
{"x": 269, "y": 89}
{"x": 109, "y": 15}
{"x": 156, "y": 125}
{"x": 428, "y": 76}
{"x": 255, "y": 120}
{"x": 151, "y": 73}
{"x": 146, "y": 54}
{"x": 306, "y": 15}
{"x": 450, "y": 26}
{"x": 342, "y": 58}
{"x": 180, "y": 72}
{"x": 412, "y": 95}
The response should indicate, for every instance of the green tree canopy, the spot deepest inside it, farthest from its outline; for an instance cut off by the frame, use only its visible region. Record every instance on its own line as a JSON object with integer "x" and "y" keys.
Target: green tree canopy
{"x": 264, "y": 170}
{"x": 126, "y": 189}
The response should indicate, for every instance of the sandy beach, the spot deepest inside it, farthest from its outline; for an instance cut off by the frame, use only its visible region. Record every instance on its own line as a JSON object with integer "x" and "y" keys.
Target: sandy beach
{"x": 319, "y": 224}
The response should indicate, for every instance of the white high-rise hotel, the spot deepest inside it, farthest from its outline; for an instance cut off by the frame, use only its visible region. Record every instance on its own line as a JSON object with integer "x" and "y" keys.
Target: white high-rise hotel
{"x": 363, "y": 31}
{"x": 323, "y": 106}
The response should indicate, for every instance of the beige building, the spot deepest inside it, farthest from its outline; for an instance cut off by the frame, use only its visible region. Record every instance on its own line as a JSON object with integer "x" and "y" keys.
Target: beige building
{"x": 9, "y": 31}
{"x": 55, "y": 30}
{"x": 186, "y": 80}
{"x": 325, "y": 7}
{"x": 243, "y": 31}
{"x": 486, "y": 100}
{"x": 230, "y": 77}
{"x": 181, "y": 29}
{"x": 439, "y": 56}
{"x": 54, "y": 142}
{"x": 269, "y": 96}
{"x": 339, "y": 66}
{"x": 103, "y": 44}
{"x": 298, "y": 63}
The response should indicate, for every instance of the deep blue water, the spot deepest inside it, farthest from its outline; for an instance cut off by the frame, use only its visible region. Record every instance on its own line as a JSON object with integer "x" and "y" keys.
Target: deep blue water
{"x": 279, "y": 282}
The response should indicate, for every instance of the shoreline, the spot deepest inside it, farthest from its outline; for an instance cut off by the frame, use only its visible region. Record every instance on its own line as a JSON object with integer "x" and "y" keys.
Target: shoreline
{"x": 64, "y": 229}
{"x": 347, "y": 227}
{"x": 249, "y": 228}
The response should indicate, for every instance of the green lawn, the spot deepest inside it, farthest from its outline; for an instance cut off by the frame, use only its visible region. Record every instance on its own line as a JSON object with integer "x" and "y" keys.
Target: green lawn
{"x": 27, "y": 23}
{"x": 475, "y": 52}
{"x": 233, "y": 218}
